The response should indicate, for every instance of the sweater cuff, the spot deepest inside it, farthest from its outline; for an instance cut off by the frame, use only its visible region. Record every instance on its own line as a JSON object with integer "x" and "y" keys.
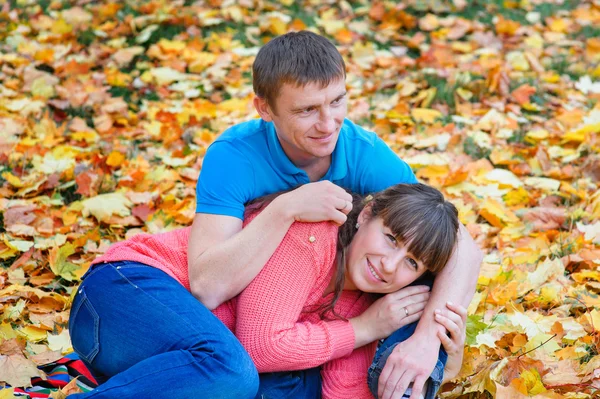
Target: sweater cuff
{"x": 343, "y": 333}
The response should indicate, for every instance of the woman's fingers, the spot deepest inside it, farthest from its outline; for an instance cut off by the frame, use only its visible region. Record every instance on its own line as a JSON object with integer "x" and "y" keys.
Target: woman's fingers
{"x": 448, "y": 323}
{"x": 412, "y": 317}
{"x": 408, "y": 291}
{"x": 458, "y": 309}
{"x": 447, "y": 342}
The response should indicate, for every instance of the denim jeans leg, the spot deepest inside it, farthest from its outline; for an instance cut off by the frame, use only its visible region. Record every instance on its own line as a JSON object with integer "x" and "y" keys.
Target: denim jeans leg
{"x": 301, "y": 384}
{"x": 142, "y": 329}
{"x": 387, "y": 346}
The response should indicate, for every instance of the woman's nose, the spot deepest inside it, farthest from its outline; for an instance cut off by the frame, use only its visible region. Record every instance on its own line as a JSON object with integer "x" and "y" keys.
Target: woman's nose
{"x": 391, "y": 260}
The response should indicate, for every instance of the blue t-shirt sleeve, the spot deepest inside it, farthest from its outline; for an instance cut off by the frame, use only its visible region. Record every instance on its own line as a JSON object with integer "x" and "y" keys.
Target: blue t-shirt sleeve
{"x": 226, "y": 181}
{"x": 383, "y": 168}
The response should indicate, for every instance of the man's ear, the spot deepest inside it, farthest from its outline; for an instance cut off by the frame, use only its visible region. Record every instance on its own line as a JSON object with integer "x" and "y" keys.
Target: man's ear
{"x": 365, "y": 214}
{"x": 263, "y": 109}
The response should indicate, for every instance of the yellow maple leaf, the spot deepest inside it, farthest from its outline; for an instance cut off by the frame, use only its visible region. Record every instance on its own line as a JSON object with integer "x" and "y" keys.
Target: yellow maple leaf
{"x": 103, "y": 206}
{"x": 42, "y": 88}
{"x": 59, "y": 264}
{"x": 33, "y": 334}
{"x": 171, "y": 46}
{"x": 60, "y": 342}
{"x": 115, "y": 158}
{"x": 12, "y": 179}
{"x": 6, "y": 331}
{"x": 425, "y": 115}
{"x": 61, "y": 27}
{"x": 497, "y": 214}
{"x": 8, "y": 393}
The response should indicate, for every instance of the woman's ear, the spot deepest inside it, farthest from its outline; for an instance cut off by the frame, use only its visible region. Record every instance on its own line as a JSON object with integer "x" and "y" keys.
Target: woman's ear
{"x": 365, "y": 214}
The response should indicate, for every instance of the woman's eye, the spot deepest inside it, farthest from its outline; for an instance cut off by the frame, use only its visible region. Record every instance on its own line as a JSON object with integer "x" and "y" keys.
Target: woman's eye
{"x": 413, "y": 263}
{"x": 392, "y": 239}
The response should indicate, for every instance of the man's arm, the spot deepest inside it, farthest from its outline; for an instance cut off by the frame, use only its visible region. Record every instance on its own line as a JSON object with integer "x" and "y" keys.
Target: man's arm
{"x": 414, "y": 359}
{"x": 223, "y": 258}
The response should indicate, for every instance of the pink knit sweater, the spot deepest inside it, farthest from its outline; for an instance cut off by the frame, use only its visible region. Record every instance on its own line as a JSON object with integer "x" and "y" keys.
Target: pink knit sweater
{"x": 274, "y": 317}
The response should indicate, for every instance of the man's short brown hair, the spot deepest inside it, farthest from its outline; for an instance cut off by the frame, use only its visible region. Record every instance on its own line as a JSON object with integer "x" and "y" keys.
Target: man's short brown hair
{"x": 298, "y": 58}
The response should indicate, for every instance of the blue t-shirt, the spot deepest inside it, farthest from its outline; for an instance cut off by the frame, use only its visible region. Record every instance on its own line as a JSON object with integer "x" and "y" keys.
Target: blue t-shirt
{"x": 247, "y": 162}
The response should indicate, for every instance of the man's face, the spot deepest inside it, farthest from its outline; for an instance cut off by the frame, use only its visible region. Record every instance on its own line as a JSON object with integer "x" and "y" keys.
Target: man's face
{"x": 308, "y": 120}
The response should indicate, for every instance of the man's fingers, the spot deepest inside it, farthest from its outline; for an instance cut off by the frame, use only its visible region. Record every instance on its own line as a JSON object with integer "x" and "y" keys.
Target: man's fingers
{"x": 417, "y": 388}
{"x": 392, "y": 384}
{"x": 338, "y": 218}
{"x": 388, "y": 369}
{"x": 344, "y": 206}
{"x": 402, "y": 385}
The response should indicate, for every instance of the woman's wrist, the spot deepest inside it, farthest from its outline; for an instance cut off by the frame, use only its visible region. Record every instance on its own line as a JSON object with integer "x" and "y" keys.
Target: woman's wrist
{"x": 362, "y": 332}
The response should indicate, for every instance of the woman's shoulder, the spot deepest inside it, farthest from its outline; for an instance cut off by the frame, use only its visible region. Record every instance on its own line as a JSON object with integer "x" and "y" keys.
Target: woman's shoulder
{"x": 315, "y": 232}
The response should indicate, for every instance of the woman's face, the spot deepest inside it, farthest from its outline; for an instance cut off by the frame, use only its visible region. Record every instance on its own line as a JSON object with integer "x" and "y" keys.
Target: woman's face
{"x": 376, "y": 262}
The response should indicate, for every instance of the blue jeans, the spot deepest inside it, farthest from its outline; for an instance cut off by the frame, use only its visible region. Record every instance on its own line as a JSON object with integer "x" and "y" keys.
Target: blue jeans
{"x": 146, "y": 336}
{"x": 387, "y": 346}
{"x": 301, "y": 384}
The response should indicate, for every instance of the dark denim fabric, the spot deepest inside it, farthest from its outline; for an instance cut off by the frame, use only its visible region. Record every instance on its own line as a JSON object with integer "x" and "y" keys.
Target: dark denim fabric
{"x": 148, "y": 337}
{"x": 302, "y": 384}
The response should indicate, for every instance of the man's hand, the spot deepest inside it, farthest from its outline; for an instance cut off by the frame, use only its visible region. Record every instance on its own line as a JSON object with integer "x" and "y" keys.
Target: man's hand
{"x": 223, "y": 259}
{"x": 317, "y": 202}
{"x": 412, "y": 360}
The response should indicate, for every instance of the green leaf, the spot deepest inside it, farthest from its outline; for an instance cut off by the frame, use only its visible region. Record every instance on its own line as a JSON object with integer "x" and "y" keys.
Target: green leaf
{"x": 475, "y": 325}
{"x": 59, "y": 264}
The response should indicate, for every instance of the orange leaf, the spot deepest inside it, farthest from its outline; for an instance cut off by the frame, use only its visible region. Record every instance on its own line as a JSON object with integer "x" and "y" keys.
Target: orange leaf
{"x": 522, "y": 94}
{"x": 115, "y": 159}
{"x": 506, "y": 26}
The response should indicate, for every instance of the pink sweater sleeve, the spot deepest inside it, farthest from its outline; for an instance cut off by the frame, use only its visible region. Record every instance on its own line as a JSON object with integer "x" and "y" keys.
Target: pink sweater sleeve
{"x": 270, "y": 308}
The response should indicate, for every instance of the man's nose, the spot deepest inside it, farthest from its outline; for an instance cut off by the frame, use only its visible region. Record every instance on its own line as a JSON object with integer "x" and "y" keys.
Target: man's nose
{"x": 326, "y": 122}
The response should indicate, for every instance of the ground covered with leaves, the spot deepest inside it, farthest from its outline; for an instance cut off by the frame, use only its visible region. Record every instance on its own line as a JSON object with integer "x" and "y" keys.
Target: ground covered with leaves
{"x": 106, "y": 110}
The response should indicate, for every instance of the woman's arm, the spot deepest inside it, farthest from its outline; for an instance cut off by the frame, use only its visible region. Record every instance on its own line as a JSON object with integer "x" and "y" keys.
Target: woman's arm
{"x": 269, "y": 309}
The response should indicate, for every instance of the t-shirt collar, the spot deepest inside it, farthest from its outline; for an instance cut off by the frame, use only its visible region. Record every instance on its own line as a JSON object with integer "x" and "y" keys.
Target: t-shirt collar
{"x": 337, "y": 170}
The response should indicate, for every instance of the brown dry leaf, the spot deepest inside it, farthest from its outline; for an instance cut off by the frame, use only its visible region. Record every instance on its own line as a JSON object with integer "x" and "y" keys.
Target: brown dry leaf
{"x": 17, "y": 371}
{"x": 546, "y": 218}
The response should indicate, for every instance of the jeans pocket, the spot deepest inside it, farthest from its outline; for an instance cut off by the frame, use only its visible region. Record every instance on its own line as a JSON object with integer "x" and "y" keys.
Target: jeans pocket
{"x": 84, "y": 324}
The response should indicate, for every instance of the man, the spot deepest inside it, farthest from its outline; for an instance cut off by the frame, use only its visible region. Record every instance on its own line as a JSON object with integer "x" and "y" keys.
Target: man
{"x": 304, "y": 139}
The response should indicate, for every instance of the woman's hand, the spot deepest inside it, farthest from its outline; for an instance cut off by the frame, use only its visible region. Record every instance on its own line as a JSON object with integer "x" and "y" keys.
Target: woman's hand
{"x": 455, "y": 321}
{"x": 389, "y": 313}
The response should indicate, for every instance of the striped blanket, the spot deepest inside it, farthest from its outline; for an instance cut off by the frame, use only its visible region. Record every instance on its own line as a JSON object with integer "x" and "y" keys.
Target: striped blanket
{"x": 59, "y": 374}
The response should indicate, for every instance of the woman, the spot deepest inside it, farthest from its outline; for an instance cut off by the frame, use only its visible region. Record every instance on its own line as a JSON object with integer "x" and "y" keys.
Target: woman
{"x": 313, "y": 305}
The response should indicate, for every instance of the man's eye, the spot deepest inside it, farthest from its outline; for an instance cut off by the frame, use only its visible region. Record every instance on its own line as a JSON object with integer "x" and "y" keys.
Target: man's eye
{"x": 337, "y": 100}
{"x": 307, "y": 110}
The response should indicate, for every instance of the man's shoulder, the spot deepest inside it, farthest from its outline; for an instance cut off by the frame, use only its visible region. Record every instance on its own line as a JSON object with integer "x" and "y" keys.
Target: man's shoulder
{"x": 357, "y": 135}
{"x": 244, "y": 131}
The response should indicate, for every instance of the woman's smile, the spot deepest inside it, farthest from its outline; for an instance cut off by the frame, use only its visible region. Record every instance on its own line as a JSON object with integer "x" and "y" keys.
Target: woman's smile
{"x": 374, "y": 273}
